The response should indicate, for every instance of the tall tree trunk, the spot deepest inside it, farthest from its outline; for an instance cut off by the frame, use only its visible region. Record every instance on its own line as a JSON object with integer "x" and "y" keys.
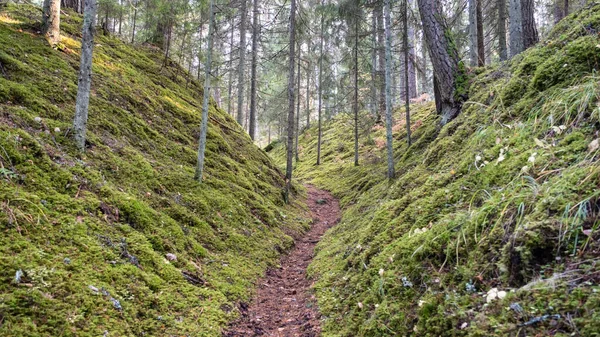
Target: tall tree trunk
{"x": 85, "y": 75}
{"x": 135, "y": 11}
{"x": 308, "y": 71}
{"x": 412, "y": 71}
{"x": 255, "y": 33}
{"x": 291, "y": 99}
{"x": 446, "y": 63}
{"x": 473, "y": 33}
{"x": 480, "y": 36}
{"x": 391, "y": 173}
{"x": 374, "y": 67}
{"x": 530, "y": 34}
{"x": 406, "y": 74}
{"x": 355, "y": 108}
{"x": 381, "y": 51}
{"x": 120, "y": 16}
{"x": 51, "y": 21}
{"x": 242, "y": 64}
{"x": 516, "y": 27}
{"x": 320, "y": 108}
{"x": 297, "y": 131}
{"x": 206, "y": 98}
{"x": 230, "y": 89}
{"x": 503, "y": 48}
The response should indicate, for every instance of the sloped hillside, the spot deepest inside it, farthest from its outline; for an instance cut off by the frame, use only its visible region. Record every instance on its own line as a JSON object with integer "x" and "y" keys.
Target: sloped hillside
{"x": 122, "y": 241}
{"x": 491, "y": 226}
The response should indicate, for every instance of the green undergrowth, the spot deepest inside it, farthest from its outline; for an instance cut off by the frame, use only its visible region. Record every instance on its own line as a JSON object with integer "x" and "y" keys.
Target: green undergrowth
{"x": 122, "y": 241}
{"x": 506, "y": 196}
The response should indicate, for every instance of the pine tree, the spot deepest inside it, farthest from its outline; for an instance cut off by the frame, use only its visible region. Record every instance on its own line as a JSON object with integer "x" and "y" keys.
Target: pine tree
{"x": 85, "y": 75}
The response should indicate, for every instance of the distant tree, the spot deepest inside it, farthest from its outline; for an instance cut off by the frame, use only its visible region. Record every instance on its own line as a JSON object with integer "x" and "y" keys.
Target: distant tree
{"x": 85, "y": 74}
{"x": 320, "y": 108}
{"x": 242, "y": 62}
{"x": 51, "y": 21}
{"x": 391, "y": 172}
{"x": 206, "y": 95}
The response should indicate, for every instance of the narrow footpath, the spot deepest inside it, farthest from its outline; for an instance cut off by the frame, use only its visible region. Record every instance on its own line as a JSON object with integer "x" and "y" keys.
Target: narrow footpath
{"x": 284, "y": 305}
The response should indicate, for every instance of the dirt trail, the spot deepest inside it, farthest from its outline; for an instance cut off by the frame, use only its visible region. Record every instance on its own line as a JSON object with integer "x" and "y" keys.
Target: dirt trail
{"x": 284, "y": 306}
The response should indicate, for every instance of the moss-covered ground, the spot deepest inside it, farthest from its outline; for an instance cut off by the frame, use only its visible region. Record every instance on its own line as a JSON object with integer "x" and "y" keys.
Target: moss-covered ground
{"x": 506, "y": 196}
{"x": 122, "y": 241}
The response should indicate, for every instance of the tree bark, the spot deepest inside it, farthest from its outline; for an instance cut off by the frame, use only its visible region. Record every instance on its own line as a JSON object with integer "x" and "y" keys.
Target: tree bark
{"x": 297, "y": 129}
{"x": 320, "y": 108}
{"x": 503, "y": 48}
{"x": 308, "y": 71}
{"x": 291, "y": 99}
{"x": 230, "y": 89}
{"x": 446, "y": 64}
{"x": 241, "y": 68}
{"x": 412, "y": 68}
{"x": 530, "y": 34}
{"x": 253, "y": 96}
{"x": 51, "y": 21}
{"x": 374, "y": 67}
{"x": 406, "y": 74}
{"x": 516, "y": 28}
{"x": 206, "y": 98}
{"x": 355, "y": 108}
{"x": 391, "y": 172}
{"x": 473, "y": 53}
{"x": 480, "y": 36}
{"x": 85, "y": 75}
{"x": 134, "y": 22}
{"x": 382, "y": 61}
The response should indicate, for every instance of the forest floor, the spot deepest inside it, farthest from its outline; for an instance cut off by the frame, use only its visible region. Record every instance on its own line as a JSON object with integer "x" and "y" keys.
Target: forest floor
{"x": 284, "y": 305}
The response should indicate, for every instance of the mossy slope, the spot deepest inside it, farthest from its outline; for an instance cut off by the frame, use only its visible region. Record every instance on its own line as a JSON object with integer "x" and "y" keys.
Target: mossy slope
{"x": 506, "y": 196}
{"x": 91, "y": 236}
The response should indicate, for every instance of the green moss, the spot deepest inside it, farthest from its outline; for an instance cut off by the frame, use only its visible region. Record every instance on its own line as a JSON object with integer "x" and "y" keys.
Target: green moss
{"x": 107, "y": 219}
{"x": 498, "y": 198}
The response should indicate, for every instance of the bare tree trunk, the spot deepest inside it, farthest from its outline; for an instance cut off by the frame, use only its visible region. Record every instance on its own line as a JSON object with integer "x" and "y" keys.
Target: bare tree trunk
{"x": 406, "y": 73}
{"x": 355, "y": 108}
{"x": 134, "y": 22}
{"x": 473, "y": 33}
{"x": 51, "y": 21}
{"x": 120, "y": 16}
{"x": 446, "y": 64}
{"x": 320, "y": 87}
{"x": 230, "y": 89}
{"x": 516, "y": 28}
{"x": 480, "y": 36}
{"x": 374, "y": 66}
{"x": 85, "y": 75}
{"x": 291, "y": 98}
{"x": 308, "y": 71}
{"x": 391, "y": 173}
{"x": 412, "y": 71}
{"x": 255, "y": 33}
{"x": 297, "y": 130}
{"x": 503, "y": 49}
{"x": 381, "y": 51}
{"x": 530, "y": 34}
{"x": 242, "y": 64}
{"x": 206, "y": 98}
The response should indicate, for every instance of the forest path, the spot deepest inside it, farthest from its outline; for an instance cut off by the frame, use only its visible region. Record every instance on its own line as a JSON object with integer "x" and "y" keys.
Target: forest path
{"x": 284, "y": 305}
